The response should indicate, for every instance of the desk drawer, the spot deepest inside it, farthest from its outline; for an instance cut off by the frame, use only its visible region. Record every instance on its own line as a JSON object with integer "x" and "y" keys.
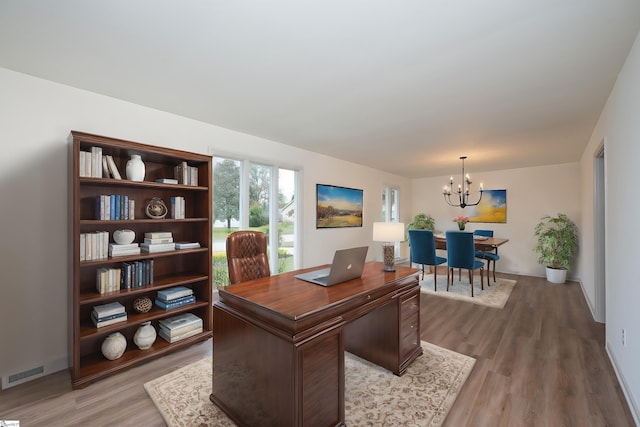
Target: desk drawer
{"x": 409, "y": 323}
{"x": 410, "y": 337}
{"x": 410, "y": 305}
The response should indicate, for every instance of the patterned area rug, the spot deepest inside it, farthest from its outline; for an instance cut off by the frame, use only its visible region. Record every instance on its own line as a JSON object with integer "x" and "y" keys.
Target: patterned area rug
{"x": 495, "y": 295}
{"x": 373, "y": 396}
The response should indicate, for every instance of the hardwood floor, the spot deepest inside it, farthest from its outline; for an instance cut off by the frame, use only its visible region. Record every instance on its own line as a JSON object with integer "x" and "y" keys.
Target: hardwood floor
{"x": 540, "y": 362}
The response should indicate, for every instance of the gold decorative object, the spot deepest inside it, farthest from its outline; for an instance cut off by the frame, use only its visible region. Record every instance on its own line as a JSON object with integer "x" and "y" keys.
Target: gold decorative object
{"x": 156, "y": 209}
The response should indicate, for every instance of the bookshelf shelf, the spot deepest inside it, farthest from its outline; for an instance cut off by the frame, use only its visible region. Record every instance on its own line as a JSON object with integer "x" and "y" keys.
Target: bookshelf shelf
{"x": 181, "y": 267}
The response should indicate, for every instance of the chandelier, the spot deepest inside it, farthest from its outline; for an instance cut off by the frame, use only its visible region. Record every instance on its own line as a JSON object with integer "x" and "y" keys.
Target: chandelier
{"x": 463, "y": 192}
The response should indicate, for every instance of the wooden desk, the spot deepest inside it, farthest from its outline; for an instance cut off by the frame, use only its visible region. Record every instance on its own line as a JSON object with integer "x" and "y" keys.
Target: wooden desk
{"x": 480, "y": 245}
{"x": 279, "y": 342}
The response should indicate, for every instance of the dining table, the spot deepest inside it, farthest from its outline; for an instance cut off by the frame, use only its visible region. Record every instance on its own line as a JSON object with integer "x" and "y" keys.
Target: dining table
{"x": 482, "y": 243}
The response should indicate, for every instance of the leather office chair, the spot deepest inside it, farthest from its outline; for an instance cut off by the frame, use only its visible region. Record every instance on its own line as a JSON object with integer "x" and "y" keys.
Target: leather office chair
{"x": 423, "y": 251}
{"x": 461, "y": 254}
{"x": 247, "y": 256}
{"x": 490, "y": 256}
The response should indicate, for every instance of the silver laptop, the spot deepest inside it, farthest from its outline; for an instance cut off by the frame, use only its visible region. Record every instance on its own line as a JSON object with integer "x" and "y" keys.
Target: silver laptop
{"x": 347, "y": 264}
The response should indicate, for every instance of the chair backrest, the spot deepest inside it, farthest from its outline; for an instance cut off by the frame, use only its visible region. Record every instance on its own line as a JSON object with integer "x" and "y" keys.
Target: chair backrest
{"x": 485, "y": 233}
{"x": 460, "y": 249}
{"x": 247, "y": 256}
{"x": 423, "y": 247}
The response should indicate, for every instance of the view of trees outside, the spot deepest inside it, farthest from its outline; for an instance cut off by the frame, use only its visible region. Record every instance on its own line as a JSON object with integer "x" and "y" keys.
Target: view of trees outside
{"x": 227, "y": 189}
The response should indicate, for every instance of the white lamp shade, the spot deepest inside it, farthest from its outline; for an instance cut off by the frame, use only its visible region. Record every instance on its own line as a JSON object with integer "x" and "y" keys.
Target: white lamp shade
{"x": 388, "y": 231}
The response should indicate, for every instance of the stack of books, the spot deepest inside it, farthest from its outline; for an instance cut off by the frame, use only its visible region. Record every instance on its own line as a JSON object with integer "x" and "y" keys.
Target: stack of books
{"x": 185, "y": 174}
{"x": 136, "y": 274}
{"x": 187, "y": 245}
{"x": 177, "y": 207}
{"x": 158, "y": 241}
{"x": 94, "y": 246}
{"x": 108, "y": 314}
{"x": 116, "y": 250}
{"x": 175, "y": 297}
{"x": 180, "y": 327}
{"x": 114, "y": 207}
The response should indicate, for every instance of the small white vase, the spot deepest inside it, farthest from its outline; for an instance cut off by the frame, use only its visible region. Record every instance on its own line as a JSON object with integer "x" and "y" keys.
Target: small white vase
{"x": 114, "y": 345}
{"x": 145, "y": 336}
{"x": 124, "y": 237}
{"x": 135, "y": 168}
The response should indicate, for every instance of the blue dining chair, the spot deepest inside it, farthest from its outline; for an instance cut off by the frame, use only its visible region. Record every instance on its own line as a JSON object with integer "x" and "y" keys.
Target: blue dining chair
{"x": 423, "y": 251}
{"x": 490, "y": 255}
{"x": 461, "y": 254}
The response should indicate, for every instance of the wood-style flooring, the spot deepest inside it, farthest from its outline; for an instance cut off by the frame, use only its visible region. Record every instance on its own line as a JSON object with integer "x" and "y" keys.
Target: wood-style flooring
{"x": 540, "y": 362}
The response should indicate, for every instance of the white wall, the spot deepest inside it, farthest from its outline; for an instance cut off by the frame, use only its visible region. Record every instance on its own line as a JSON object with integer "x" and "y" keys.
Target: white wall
{"x": 36, "y": 117}
{"x": 531, "y": 193}
{"x": 619, "y": 127}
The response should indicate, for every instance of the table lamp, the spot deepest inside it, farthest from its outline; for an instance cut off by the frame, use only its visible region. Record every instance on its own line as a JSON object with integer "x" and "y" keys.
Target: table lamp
{"x": 388, "y": 233}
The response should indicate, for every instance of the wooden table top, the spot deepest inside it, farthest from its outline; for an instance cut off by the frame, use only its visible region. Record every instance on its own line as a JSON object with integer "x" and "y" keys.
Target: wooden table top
{"x": 291, "y": 303}
{"x": 479, "y": 241}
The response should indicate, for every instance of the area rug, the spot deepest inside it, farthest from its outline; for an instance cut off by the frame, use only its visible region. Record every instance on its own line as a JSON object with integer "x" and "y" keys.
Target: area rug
{"x": 495, "y": 295}
{"x": 373, "y": 396}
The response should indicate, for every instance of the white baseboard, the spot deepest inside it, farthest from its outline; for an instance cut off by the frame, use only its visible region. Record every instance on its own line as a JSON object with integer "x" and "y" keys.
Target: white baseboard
{"x": 633, "y": 406}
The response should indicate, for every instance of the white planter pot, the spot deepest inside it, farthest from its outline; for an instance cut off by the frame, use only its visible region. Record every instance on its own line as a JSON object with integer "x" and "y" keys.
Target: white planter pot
{"x": 556, "y": 275}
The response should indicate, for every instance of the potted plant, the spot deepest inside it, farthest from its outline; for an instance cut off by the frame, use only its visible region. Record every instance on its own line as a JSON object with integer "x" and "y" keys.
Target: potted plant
{"x": 557, "y": 242}
{"x": 422, "y": 222}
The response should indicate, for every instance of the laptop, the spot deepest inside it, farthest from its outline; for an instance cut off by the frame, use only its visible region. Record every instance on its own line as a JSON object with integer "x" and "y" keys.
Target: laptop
{"x": 347, "y": 264}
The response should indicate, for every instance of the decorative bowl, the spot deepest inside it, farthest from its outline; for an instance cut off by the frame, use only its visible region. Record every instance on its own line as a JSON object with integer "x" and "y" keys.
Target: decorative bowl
{"x": 124, "y": 237}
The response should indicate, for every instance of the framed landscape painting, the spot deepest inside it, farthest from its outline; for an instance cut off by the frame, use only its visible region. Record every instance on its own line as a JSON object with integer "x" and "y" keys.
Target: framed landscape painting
{"x": 338, "y": 206}
{"x": 492, "y": 207}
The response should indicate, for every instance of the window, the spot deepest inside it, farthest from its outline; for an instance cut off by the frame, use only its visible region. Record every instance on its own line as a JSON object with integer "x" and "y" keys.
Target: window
{"x": 254, "y": 196}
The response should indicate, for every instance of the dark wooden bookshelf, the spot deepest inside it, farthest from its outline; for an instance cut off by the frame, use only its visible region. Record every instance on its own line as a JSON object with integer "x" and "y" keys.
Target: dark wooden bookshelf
{"x": 181, "y": 267}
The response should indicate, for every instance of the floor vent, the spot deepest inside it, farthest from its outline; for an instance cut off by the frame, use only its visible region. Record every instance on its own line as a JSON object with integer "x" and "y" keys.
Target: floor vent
{"x": 23, "y": 376}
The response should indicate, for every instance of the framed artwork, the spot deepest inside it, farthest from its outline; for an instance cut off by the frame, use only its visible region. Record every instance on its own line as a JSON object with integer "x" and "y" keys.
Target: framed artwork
{"x": 338, "y": 207}
{"x": 492, "y": 207}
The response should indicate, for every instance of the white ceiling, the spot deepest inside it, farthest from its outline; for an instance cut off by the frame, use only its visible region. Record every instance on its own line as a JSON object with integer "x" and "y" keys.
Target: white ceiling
{"x": 399, "y": 85}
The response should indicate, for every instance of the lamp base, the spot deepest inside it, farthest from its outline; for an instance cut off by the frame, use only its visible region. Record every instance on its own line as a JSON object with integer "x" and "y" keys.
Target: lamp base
{"x": 388, "y": 257}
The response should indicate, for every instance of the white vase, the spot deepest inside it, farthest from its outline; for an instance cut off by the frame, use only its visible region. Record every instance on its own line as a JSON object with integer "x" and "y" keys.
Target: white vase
{"x": 145, "y": 336}
{"x": 114, "y": 345}
{"x": 124, "y": 237}
{"x": 135, "y": 168}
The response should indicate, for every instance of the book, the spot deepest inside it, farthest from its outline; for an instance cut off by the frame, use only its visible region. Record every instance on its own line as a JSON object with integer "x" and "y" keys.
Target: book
{"x": 177, "y": 207}
{"x": 101, "y": 323}
{"x": 113, "y": 168}
{"x": 158, "y": 240}
{"x": 181, "y": 330}
{"x": 180, "y": 321}
{"x": 158, "y": 234}
{"x": 169, "y": 339}
{"x": 174, "y": 293}
{"x": 179, "y": 302}
{"x": 180, "y": 324}
{"x": 112, "y": 316}
{"x": 167, "y": 180}
{"x": 159, "y": 247}
{"x": 187, "y": 245}
{"x": 96, "y": 162}
{"x": 124, "y": 252}
{"x": 108, "y": 309}
{"x": 105, "y": 168}
{"x": 119, "y": 247}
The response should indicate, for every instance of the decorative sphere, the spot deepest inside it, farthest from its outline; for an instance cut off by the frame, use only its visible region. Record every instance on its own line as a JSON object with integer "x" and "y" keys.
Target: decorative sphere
{"x": 114, "y": 345}
{"x": 124, "y": 237}
{"x": 142, "y": 304}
